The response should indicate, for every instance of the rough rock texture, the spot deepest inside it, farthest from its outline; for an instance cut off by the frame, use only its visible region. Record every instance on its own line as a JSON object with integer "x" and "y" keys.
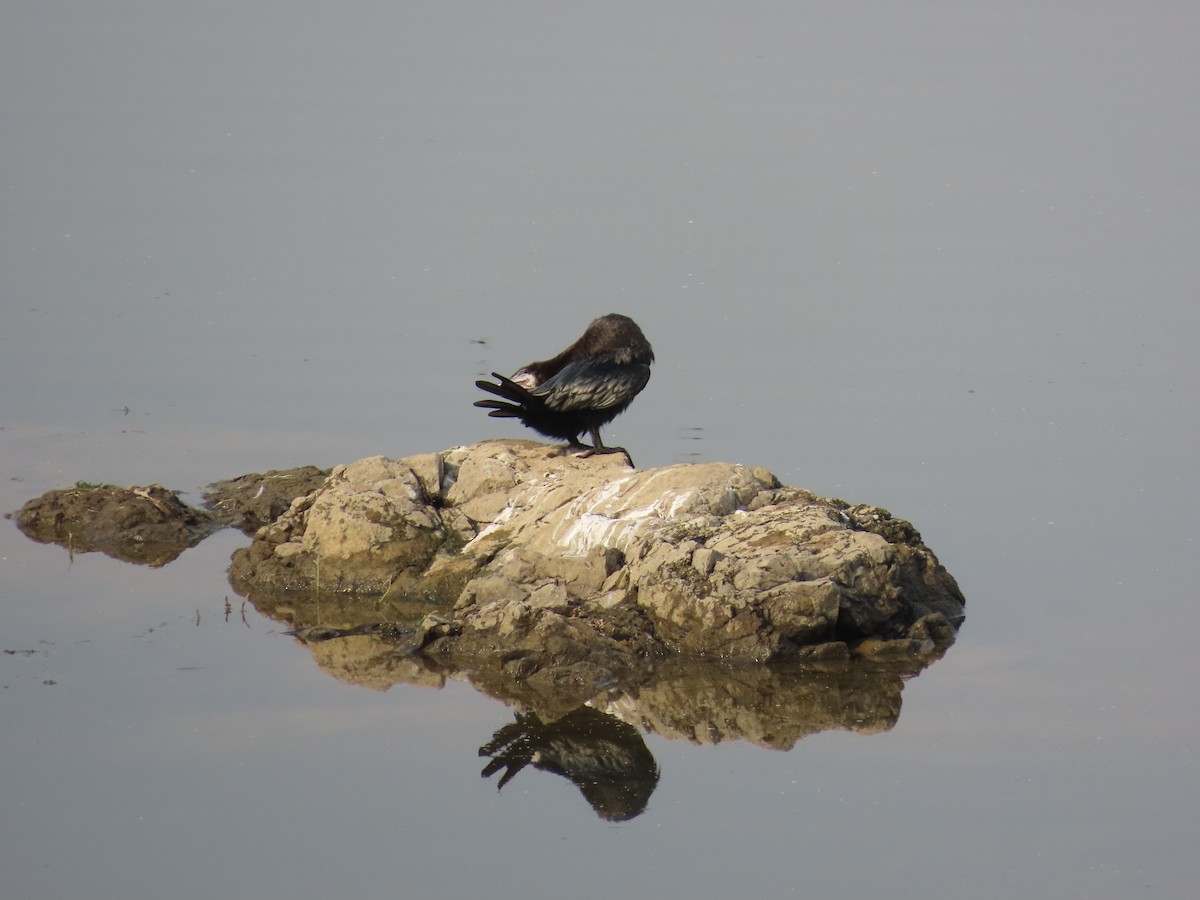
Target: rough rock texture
{"x": 372, "y": 522}
{"x": 147, "y": 525}
{"x": 548, "y": 566}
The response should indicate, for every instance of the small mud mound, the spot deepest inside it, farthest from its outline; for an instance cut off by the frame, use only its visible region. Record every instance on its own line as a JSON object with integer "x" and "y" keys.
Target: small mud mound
{"x": 145, "y": 525}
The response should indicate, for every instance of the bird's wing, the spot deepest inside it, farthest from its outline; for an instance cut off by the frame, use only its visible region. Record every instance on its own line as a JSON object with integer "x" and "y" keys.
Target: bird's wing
{"x": 593, "y": 383}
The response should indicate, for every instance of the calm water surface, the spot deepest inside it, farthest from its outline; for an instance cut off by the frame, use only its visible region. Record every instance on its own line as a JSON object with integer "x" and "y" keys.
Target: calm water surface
{"x": 938, "y": 257}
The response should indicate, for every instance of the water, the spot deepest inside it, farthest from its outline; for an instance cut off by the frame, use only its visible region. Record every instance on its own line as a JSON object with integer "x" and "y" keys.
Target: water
{"x": 938, "y": 257}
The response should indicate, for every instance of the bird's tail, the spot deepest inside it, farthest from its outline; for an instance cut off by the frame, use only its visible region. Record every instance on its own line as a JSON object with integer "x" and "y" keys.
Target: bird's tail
{"x": 512, "y": 392}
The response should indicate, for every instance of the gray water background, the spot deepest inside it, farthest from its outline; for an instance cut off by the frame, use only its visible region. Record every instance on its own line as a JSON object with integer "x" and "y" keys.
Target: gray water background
{"x": 937, "y": 256}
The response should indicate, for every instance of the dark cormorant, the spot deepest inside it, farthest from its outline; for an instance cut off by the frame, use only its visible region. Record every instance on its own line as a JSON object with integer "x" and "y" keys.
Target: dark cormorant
{"x": 586, "y": 386}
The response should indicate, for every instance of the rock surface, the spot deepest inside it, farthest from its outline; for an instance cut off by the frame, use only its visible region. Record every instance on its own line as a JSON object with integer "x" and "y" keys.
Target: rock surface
{"x": 565, "y": 573}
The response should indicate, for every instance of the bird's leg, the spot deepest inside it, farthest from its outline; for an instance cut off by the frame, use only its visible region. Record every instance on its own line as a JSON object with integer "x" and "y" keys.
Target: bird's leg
{"x": 598, "y": 449}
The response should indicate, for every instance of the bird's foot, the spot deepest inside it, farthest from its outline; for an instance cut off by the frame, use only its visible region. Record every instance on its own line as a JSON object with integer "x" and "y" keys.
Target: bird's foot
{"x": 602, "y": 450}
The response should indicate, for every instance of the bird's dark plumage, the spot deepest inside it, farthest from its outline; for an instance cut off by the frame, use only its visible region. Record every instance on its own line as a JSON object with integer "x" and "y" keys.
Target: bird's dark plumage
{"x": 583, "y": 388}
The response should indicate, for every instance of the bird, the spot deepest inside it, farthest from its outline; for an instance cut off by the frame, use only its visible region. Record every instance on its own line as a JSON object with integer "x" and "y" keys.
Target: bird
{"x": 581, "y": 389}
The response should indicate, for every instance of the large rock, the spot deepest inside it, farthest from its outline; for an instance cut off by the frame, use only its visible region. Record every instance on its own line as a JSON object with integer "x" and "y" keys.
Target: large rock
{"x": 547, "y": 566}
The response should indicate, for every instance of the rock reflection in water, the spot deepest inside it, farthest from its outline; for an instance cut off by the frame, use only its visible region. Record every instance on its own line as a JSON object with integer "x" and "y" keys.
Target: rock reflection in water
{"x": 598, "y": 745}
{"x": 601, "y": 755}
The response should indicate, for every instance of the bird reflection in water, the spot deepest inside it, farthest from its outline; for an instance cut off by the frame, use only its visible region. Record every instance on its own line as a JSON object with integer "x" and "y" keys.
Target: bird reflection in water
{"x": 604, "y": 757}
